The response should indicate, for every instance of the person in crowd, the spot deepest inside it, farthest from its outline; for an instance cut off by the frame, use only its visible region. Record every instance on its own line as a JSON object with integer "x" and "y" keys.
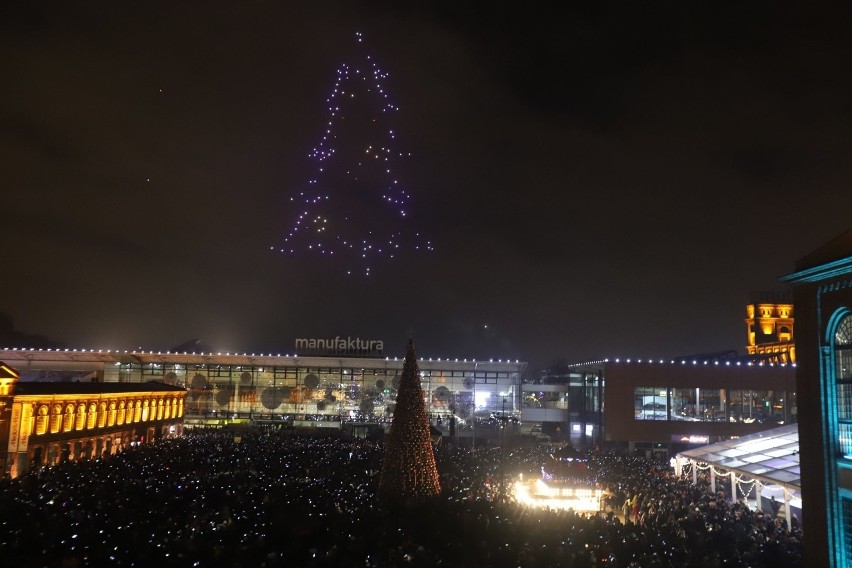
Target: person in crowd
{"x": 284, "y": 499}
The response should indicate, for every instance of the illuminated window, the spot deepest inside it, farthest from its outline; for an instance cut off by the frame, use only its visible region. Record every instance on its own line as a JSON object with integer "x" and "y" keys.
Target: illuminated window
{"x": 160, "y": 409}
{"x": 650, "y": 403}
{"x": 121, "y": 413}
{"x": 137, "y": 411}
{"x": 91, "y": 418}
{"x": 42, "y": 419}
{"x": 145, "y": 411}
{"x": 180, "y": 408}
{"x": 847, "y": 525}
{"x": 81, "y": 416}
{"x": 56, "y": 419}
{"x": 112, "y": 412}
{"x": 843, "y": 374}
{"x": 102, "y": 415}
{"x": 167, "y": 412}
{"x": 761, "y": 406}
{"x": 68, "y": 423}
{"x": 699, "y": 404}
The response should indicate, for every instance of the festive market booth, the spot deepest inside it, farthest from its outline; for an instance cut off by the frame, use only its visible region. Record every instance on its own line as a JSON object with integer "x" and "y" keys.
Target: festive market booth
{"x": 564, "y": 483}
{"x": 762, "y": 468}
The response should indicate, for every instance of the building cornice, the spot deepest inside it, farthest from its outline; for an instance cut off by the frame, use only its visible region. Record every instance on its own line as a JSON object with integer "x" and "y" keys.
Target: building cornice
{"x": 819, "y": 273}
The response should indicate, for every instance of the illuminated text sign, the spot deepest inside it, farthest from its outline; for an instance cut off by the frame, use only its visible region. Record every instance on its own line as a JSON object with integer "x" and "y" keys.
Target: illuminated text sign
{"x": 354, "y": 346}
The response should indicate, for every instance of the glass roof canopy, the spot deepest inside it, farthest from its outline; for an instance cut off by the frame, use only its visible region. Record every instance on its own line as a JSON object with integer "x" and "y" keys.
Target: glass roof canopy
{"x": 771, "y": 456}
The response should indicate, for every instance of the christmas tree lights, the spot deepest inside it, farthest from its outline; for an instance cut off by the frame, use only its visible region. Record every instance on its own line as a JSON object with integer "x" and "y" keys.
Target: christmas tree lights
{"x": 354, "y": 208}
{"x": 409, "y": 473}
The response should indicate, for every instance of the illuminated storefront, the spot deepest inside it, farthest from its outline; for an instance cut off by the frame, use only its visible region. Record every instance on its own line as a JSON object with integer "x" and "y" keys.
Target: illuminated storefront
{"x": 322, "y": 390}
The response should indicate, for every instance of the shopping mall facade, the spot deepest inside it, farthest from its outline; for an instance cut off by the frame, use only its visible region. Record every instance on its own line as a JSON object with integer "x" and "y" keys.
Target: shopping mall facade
{"x": 322, "y": 389}
{"x": 663, "y": 407}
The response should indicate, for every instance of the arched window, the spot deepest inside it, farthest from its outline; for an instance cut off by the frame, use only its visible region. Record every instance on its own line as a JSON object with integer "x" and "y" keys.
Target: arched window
{"x": 121, "y": 413}
{"x": 112, "y": 412}
{"x": 42, "y": 419}
{"x": 81, "y": 416}
{"x": 843, "y": 376}
{"x": 137, "y": 411}
{"x": 68, "y": 423}
{"x": 145, "y": 414}
{"x": 180, "y": 408}
{"x": 91, "y": 418}
{"x": 167, "y": 413}
{"x": 56, "y": 419}
{"x": 160, "y": 409}
{"x": 102, "y": 415}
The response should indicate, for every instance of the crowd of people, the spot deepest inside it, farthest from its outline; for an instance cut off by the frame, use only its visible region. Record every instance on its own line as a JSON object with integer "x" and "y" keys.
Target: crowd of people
{"x": 278, "y": 498}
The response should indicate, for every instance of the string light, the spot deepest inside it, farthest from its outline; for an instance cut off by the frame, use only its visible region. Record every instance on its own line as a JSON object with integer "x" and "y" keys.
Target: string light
{"x": 408, "y": 469}
{"x": 681, "y": 362}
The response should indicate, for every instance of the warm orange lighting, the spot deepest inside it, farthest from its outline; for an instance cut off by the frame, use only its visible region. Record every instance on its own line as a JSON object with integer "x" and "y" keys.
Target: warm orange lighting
{"x": 769, "y": 331}
{"x": 537, "y": 493}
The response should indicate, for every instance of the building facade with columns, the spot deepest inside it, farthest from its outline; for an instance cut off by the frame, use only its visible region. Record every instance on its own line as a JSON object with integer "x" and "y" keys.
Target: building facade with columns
{"x": 46, "y": 423}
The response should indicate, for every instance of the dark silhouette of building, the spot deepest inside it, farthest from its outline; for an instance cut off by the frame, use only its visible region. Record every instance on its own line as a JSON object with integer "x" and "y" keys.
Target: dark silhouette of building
{"x": 11, "y": 337}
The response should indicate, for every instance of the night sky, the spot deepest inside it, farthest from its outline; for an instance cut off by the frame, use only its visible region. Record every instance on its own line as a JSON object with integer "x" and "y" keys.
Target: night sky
{"x": 612, "y": 179}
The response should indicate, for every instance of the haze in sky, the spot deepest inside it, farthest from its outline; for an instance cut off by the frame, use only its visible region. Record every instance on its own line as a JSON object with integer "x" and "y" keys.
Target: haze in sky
{"x": 599, "y": 180}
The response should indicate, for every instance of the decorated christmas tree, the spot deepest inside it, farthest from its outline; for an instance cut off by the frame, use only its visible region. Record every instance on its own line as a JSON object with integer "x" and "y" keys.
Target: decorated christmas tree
{"x": 409, "y": 472}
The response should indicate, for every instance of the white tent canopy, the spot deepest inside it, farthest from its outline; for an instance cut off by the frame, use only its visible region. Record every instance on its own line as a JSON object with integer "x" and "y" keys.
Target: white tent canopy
{"x": 769, "y": 460}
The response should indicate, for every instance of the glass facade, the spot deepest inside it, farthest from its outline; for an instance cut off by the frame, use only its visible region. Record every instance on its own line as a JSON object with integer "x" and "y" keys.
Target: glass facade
{"x": 327, "y": 392}
{"x": 558, "y": 400}
{"x": 701, "y": 404}
{"x": 651, "y": 403}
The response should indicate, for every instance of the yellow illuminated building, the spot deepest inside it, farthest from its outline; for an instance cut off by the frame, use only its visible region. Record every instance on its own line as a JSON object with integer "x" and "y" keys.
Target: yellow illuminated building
{"x": 45, "y": 423}
{"x": 769, "y": 327}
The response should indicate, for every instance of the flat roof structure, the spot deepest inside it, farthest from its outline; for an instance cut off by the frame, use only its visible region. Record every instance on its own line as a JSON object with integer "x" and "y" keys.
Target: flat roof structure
{"x": 762, "y": 462}
{"x": 324, "y": 389}
{"x": 771, "y": 456}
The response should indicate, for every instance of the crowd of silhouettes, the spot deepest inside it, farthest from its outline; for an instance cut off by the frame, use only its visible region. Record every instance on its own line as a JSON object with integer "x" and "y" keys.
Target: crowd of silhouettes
{"x": 277, "y": 498}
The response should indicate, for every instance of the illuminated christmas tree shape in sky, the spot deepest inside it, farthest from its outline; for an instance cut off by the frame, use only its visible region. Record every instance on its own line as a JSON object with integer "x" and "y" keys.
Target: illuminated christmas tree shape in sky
{"x": 409, "y": 472}
{"x": 354, "y": 207}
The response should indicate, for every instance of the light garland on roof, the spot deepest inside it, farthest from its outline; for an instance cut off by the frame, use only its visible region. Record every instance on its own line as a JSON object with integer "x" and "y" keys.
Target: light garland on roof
{"x": 695, "y": 363}
{"x": 220, "y": 354}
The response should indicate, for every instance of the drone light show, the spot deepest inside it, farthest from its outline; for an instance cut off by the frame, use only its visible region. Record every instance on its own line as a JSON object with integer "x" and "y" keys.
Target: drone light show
{"x": 354, "y": 208}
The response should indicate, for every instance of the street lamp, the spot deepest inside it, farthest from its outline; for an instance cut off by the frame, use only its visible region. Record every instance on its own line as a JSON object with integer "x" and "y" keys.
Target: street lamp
{"x": 503, "y": 452}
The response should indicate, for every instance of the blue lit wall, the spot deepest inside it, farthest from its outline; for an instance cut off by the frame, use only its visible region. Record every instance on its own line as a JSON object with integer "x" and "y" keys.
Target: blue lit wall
{"x": 822, "y": 299}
